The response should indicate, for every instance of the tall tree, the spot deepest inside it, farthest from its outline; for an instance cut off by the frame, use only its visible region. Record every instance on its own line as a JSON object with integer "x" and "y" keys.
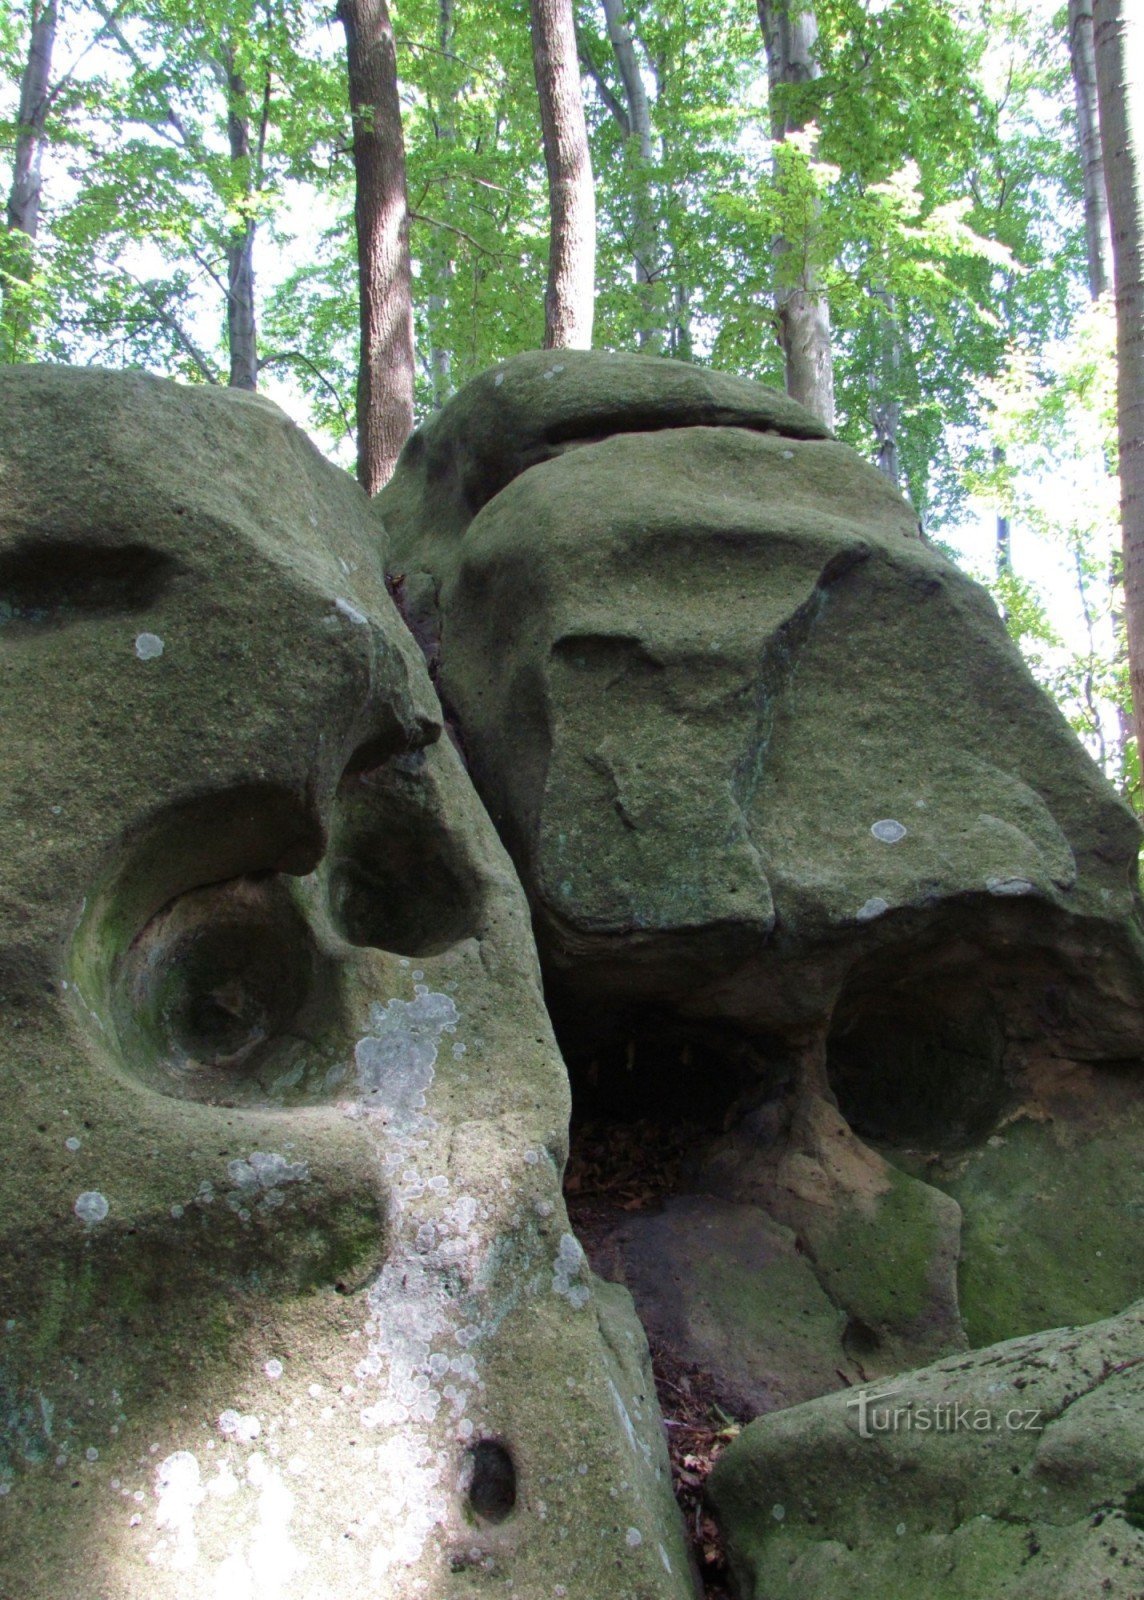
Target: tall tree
{"x": 569, "y": 304}
{"x": 24, "y": 196}
{"x": 1118, "y": 37}
{"x": 790, "y": 34}
{"x": 634, "y": 116}
{"x": 246, "y": 161}
{"x": 381, "y": 216}
{"x": 1083, "y": 61}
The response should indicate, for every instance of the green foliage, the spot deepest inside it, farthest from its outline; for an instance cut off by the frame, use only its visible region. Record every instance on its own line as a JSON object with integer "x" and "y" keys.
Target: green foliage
{"x": 1051, "y": 467}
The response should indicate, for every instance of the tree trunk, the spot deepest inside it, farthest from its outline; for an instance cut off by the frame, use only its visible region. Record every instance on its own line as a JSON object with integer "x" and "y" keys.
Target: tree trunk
{"x": 23, "y": 212}
{"x": 1119, "y": 47}
{"x": 438, "y": 256}
{"x": 1003, "y": 537}
{"x": 569, "y": 302}
{"x": 381, "y": 215}
{"x": 1083, "y": 60}
{"x": 790, "y": 33}
{"x": 885, "y": 380}
{"x": 242, "y": 336}
{"x": 638, "y": 132}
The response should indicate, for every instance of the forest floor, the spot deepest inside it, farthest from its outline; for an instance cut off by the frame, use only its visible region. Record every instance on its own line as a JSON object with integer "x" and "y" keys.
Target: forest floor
{"x": 615, "y": 1169}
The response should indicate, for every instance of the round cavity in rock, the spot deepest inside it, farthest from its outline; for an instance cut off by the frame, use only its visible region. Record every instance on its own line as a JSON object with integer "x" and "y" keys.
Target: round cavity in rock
{"x": 398, "y": 877}
{"x": 208, "y": 999}
{"x": 491, "y": 1478}
{"x": 919, "y": 1063}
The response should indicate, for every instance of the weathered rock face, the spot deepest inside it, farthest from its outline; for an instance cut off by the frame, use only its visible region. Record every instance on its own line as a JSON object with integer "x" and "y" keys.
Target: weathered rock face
{"x": 804, "y": 844}
{"x": 292, "y": 1304}
{"x": 748, "y": 736}
{"x": 1015, "y": 1471}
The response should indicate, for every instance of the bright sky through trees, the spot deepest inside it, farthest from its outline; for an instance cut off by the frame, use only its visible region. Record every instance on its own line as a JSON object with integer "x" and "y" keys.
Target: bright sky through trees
{"x": 929, "y": 185}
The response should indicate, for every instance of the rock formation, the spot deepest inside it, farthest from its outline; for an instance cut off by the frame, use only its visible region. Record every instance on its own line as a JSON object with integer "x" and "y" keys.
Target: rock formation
{"x": 810, "y": 858}
{"x": 291, "y": 1303}
{"x": 823, "y": 888}
{"x": 1016, "y": 1471}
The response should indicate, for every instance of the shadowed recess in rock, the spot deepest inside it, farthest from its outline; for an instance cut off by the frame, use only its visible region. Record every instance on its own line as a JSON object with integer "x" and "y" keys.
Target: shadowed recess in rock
{"x": 52, "y": 582}
{"x": 492, "y": 1480}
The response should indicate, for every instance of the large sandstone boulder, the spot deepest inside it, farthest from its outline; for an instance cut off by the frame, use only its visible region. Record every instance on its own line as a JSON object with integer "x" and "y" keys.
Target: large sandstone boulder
{"x": 1017, "y": 1471}
{"x": 810, "y": 857}
{"x": 291, "y": 1305}
{"x": 746, "y": 733}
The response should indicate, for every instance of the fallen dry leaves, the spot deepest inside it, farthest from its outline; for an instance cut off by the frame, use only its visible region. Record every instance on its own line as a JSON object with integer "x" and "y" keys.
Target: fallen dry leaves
{"x": 622, "y": 1167}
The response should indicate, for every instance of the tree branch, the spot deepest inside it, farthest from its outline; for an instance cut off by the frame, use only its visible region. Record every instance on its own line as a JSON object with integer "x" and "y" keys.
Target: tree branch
{"x": 610, "y": 100}
{"x": 436, "y": 222}
{"x": 297, "y": 355}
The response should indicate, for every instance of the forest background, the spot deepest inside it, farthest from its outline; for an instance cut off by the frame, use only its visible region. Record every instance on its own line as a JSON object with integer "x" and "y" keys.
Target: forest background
{"x": 911, "y": 190}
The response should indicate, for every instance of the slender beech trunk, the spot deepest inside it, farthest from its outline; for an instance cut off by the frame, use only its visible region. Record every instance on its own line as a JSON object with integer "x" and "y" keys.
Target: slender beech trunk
{"x": 438, "y": 255}
{"x": 1003, "y": 539}
{"x": 242, "y": 334}
{"x": 23, "y": 211}
{"x": 680, "y": 342}
{"x": 1098, "y": 244}
{"x": 1118, "y": 37}
{"x": 381, "y": 214}
{"x": 637, "y": 129}
{"x": 885, "y": 381}
{"x": 569, "y": 302}
{"x": 790, "y": 33}
{"x": 1096, "y": 234}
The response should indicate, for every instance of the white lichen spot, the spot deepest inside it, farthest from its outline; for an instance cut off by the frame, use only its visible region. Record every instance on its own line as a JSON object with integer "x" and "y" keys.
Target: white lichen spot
{"x": 532, "y": 1158}
{"x": 72, "y": 1144}
{"x": 91, "y": 1207}
{"x": 888, "y": 831}
{"x": 569, "y": 1265}
{"x": 148, "y": 646}
{"x": 498, "y": 380}
{"x": 242, "y": 1428}
{"x": 874, "y": 907}
{"x": 273, "y": 1368}
{"x": 396, "y": 1060}
{"x": 263, "y": 1172}
{"x": 350, "y": 611}
{"x": 1009, "y": 886}
{"x": 633, "y": 1538}
{"x": 91, "y": 1453}
{"x": 788, "y": 455}
{"x": 900, "y": 1529}
{"x": 176, "y": 1212}
{"x": 778, "y": 1512}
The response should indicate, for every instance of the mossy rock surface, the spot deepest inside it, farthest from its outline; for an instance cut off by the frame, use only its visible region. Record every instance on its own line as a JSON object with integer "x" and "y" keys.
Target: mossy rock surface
{"x": 751, "y": 741}
{"x": 1014, "y": 1470}
{"x": 290, "y": 1302}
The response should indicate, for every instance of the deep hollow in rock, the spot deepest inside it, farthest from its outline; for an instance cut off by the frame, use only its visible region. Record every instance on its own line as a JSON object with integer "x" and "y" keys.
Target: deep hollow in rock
{"x": 52, "y": 582}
